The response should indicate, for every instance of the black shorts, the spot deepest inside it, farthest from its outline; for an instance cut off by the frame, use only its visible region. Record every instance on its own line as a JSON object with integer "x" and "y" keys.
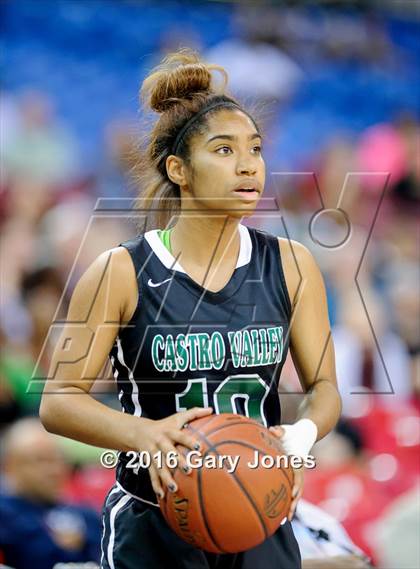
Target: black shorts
{"x": 136, "y": 536}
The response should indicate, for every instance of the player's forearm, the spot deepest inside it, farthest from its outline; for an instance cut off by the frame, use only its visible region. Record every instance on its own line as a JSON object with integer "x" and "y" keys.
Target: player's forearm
{"x": 72, "y": 413}
{"x": 322, "y": 405}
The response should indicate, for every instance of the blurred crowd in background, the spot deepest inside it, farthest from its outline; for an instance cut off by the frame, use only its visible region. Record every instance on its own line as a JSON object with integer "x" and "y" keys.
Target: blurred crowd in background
{"x": 337, "y": 90}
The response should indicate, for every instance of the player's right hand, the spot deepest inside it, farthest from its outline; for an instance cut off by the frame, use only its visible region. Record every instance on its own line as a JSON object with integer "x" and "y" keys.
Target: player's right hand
{"x": 161, "y": 436}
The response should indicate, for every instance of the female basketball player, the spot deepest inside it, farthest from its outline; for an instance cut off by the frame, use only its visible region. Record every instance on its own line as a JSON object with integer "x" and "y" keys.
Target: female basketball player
{"x": 195, "y": 319}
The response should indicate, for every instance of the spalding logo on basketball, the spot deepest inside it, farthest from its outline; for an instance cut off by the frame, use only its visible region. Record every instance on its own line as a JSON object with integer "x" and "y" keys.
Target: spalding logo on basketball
{"x": 230, "y": 505}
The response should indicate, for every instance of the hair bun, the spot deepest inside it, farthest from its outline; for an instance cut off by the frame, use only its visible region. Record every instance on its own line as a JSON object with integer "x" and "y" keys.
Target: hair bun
{"x": 179, "y": 76}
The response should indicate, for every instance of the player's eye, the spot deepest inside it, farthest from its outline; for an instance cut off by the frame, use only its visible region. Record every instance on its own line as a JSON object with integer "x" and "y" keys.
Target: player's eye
{"x": 224, "y": 150}
{"x": 257, "y": 149}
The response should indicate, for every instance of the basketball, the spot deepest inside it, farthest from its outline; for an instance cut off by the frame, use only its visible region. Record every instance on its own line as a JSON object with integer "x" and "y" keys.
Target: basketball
{"x": 229, "y": 505}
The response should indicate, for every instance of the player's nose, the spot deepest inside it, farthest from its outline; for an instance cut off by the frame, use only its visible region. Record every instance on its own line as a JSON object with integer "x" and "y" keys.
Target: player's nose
{"x": 246, "y": 167}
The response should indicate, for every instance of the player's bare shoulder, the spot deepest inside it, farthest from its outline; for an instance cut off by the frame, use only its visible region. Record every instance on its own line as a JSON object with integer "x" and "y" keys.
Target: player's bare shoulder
{"x": 299, "y": 267}
{"x": 123, "y": 280}
{"x": 297, "y": 262}
{"x": 107, "y": 290}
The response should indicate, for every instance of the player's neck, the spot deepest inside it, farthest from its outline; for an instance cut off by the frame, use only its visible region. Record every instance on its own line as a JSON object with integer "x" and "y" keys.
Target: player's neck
{"x": 201, "y": 240}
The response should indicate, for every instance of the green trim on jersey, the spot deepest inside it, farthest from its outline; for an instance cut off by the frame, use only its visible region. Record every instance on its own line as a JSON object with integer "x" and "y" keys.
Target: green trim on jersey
{"x": 165, "y": 237}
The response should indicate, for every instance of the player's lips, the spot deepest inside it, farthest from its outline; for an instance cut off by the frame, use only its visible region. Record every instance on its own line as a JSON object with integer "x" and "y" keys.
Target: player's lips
{"x": 248, "y": 190}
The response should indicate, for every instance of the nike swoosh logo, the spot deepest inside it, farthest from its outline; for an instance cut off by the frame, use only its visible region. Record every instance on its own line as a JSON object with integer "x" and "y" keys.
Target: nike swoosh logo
{"x": 152, "y": 284}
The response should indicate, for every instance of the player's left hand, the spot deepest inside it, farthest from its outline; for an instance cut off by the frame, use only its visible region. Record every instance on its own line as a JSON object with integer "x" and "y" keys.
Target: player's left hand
{"x": 297, "y": 489}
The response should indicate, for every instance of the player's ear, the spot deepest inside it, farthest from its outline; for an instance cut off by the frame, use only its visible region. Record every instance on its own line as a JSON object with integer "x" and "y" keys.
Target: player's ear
{"x": 176, "y": 170}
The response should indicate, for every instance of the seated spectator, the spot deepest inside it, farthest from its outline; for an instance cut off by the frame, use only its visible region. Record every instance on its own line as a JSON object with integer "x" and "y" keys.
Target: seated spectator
{"x": 38, "y": 529}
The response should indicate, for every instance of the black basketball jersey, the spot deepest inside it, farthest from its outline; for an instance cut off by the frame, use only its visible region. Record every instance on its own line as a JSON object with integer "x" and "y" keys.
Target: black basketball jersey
{"x": 186, "y": 346}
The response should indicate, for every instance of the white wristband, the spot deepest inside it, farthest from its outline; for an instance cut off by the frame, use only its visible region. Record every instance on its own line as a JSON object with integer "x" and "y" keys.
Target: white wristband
{"x": 299, "y": 438}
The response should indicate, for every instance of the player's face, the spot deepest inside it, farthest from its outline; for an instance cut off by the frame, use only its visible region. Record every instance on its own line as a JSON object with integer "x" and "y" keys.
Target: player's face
{"x": 227, "y": 165}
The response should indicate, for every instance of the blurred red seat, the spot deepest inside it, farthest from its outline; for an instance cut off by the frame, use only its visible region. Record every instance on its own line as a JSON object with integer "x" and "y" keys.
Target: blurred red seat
{"x": 89, "y": 486}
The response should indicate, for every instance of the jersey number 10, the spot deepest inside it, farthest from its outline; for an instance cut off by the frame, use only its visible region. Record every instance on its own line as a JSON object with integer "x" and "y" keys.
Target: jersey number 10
{"x": 251, "y": 388}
